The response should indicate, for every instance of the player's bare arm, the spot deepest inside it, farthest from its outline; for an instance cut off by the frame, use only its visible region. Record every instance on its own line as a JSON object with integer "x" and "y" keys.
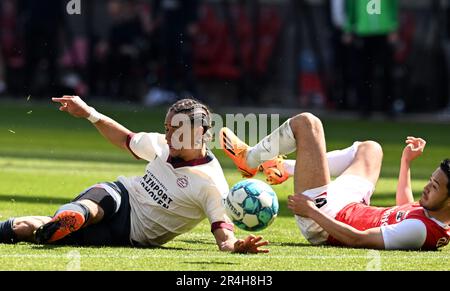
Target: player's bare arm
{"x": 113, "y": 131}
{"x": 414, "y": 149}
{"x": 227, "y": 242}
{"x": 303, "y": 206}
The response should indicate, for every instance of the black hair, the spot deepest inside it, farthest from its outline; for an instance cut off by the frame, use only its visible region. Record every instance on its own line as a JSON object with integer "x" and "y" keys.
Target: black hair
{"x": 445, "y": 167}
{"x": 196, "y": 111}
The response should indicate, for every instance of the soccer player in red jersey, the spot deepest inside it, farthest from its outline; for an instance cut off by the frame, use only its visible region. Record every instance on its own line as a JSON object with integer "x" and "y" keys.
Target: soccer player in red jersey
{"x": 338, "y": 212}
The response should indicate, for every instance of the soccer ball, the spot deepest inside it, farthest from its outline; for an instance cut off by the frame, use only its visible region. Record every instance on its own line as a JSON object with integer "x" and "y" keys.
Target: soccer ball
{"x": 252, "y": 205}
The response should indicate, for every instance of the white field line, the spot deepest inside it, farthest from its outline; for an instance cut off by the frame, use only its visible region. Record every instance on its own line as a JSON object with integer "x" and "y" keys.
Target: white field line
{"x": 225, "y": 256}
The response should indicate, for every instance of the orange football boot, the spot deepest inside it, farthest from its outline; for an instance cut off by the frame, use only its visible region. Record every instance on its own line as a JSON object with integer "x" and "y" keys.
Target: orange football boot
{"x": 61, "y": 225}
{"x": 274, "y": 171}
{"x": 236, "y": 149}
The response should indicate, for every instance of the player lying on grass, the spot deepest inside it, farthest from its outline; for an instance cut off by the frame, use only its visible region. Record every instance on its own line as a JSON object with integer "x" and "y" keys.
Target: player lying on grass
{"x": 338, "y": 212}
{"x": 183, "y": 183}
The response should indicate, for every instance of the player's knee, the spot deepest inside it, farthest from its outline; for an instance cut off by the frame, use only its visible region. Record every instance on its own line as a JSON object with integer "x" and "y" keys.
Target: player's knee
{"x": 371, "y": 148}
{"x": 96, "y": 212}
{"x": 305, "y": 123}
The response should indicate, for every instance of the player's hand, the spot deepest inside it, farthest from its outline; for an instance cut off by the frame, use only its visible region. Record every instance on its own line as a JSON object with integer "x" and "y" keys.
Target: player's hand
{"x": 74, "y": 105}
{"x": 301, "y": 204}
{"x": 414, "y": 148}
{"x": 251, "y": 244}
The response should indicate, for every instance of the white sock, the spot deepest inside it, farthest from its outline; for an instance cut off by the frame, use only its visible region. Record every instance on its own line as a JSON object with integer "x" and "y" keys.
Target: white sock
{"x": 338, "y": 161}
{"x": 280, "y": 142}
{"x": 289, "y": 166}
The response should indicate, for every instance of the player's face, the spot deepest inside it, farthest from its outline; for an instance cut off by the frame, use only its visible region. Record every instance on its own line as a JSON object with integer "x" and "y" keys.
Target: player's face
{"x": 179, "y": 134}
{"x": 435, "y": 194}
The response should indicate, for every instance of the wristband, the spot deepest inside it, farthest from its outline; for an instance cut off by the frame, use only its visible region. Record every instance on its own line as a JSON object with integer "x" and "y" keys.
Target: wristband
{"x": 94, "y": 116}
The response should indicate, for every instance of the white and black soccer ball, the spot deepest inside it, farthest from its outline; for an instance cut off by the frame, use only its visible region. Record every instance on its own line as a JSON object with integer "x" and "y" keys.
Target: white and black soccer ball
{"x": 252, "y": 205}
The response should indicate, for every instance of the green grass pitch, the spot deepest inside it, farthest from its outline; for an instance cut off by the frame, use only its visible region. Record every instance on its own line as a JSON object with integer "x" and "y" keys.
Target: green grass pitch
{"x": 48, "y": 157}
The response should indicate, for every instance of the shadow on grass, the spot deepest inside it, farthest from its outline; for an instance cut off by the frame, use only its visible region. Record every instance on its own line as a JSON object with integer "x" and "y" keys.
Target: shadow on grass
{"x": 36, "y": 199}
{"x": 290, "y": 244}
{"x": 196, "y": 241}
{"x": 55, "y": 246}
{"x": 172, "y": 248}
{"x": 280, "y": 244}
{"x": 47, "y": 247}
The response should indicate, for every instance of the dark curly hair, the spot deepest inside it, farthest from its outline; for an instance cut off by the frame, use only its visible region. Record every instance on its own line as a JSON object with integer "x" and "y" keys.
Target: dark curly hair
{"x": 196, "y": 111}
{"x": 445, "y": 167}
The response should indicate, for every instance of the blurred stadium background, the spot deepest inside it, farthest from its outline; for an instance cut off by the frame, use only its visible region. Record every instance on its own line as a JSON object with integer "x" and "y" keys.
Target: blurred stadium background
{"x": 321, "y": 55}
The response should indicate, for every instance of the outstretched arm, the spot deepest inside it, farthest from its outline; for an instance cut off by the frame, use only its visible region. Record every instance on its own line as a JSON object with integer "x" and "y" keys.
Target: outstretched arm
{"x": 226, "y": 241}
{"x": 303, "y": 206}
{"x": 113, "y": 131}
{"x": 413, "y": 150}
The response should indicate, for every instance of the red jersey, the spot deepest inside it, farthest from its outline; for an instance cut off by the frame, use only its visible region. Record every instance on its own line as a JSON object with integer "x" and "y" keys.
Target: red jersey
{"x": 362, "y": 217}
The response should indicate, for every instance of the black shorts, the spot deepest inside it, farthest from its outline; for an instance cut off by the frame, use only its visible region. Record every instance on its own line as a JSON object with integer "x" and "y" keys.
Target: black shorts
{"x": 112, "y": 231}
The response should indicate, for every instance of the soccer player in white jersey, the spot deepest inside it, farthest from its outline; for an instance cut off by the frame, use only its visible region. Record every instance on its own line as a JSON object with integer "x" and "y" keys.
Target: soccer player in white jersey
{"x": 338, "y": 212}
{"x": 183, "y": 184}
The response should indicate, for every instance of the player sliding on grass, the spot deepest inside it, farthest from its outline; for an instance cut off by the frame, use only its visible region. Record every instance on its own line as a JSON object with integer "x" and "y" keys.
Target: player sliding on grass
{"x": 183, "y": 184}
{"x": 338, "y": 212}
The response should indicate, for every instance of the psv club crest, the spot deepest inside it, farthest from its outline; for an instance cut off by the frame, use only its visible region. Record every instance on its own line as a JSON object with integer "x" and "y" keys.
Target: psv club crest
{"x": 182, "y": 182}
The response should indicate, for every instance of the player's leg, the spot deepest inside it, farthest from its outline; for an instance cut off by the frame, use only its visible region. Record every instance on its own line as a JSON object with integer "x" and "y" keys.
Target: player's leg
{"x": 367, "y": 162}
{"x": 92, "y": 206}
{"x": 264, "y": 154}
{"x": 357, "y": 182}
{"x": 113, "y": 229}
{"x": 279, "y": 170}
{"x": 67, "y": 219}
{"x": 20, "y": 229}
{"x": 312, "y": 177}
{"x": 302, "y": 133}
{"x": 311, "y": 168}
{"x": 247, "y": 159}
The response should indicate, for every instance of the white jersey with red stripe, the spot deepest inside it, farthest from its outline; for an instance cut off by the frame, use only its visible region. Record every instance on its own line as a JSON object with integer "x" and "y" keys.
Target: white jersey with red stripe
{"x": 173, "y": 196}
{"x": 403, "y": 227}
